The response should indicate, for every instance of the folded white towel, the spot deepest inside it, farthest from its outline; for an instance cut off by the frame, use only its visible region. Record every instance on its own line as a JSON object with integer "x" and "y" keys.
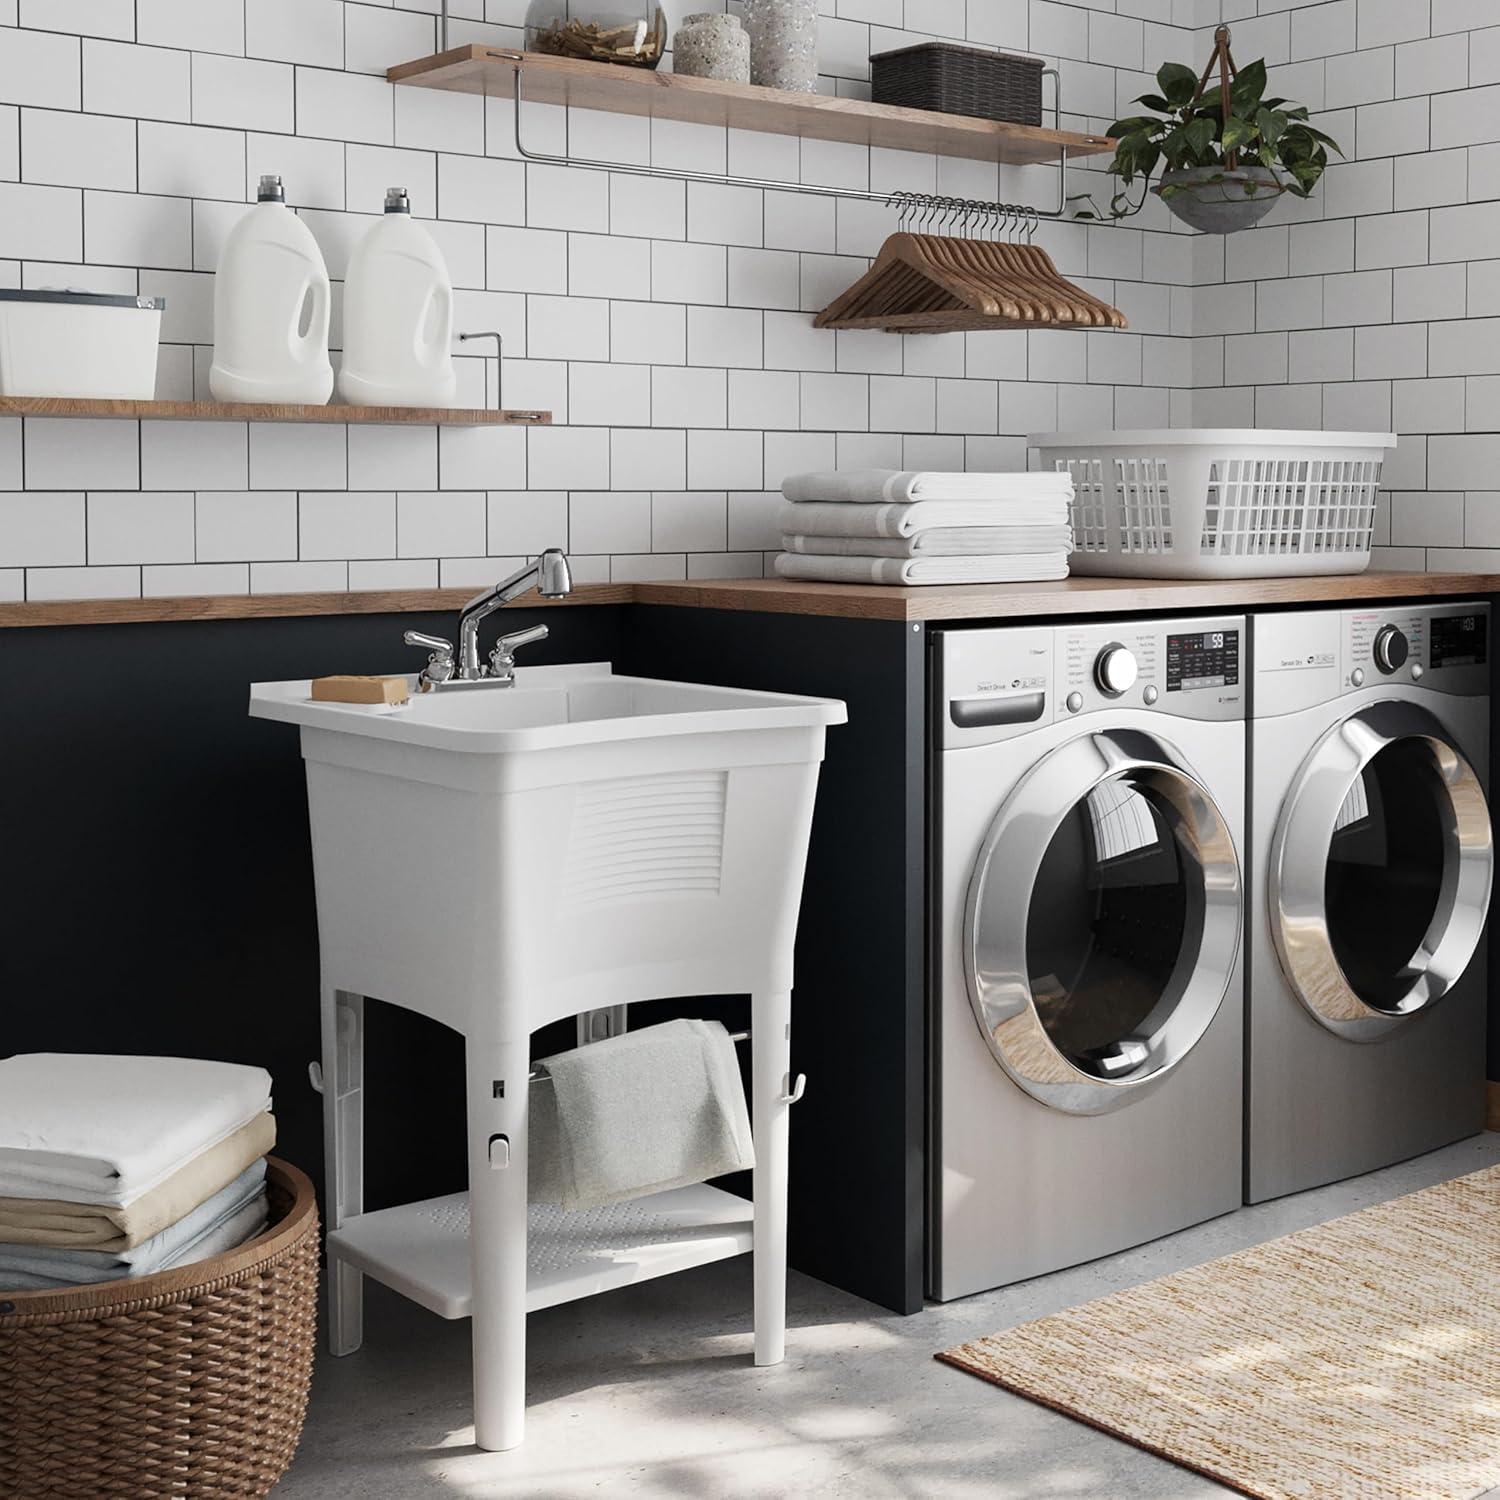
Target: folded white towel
{"x": 102, "y": 1129}
{"x": 884, "y": 486}
{"x": 165, "y": 1249}
{"x": 639, "y": 1113}
{"x": 940, "y": 541}
{"x": 810, "y": 518}
{"x": 1025, "y": 567}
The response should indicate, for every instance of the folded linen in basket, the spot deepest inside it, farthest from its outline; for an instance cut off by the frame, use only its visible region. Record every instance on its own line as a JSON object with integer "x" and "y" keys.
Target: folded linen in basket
{"x": 103, "y": 1129}
{"x": 101, "y": 1226}
{"x": 639, "y": 1113}
{"x": 160, "y": 1251}
{"x": 230, "y": 1234}
{"x": 883, "y": 486}
{"x": 812, "y": 519}
{"x": 941, "y": 541}
{"x": 1025, "y": 567}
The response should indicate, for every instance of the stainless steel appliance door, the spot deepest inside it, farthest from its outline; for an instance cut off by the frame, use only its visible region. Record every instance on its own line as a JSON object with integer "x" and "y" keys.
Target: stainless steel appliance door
{"x": 1103, "y": 921}
{"x": 1380, "y": 871}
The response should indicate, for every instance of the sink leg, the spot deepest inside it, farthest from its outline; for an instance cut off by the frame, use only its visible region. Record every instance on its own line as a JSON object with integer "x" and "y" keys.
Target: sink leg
{"x": 344, "y": 1155}
{"x": 771, "y": 1026}
{"x": 497, "y": 1099}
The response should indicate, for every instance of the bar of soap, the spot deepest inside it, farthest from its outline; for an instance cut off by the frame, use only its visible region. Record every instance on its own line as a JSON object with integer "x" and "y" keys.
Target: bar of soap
{"x": 387, "y": 690}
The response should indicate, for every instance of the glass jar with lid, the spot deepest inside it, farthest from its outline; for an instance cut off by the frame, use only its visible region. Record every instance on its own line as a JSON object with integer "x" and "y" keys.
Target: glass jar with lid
{"x": 610, "y": 31}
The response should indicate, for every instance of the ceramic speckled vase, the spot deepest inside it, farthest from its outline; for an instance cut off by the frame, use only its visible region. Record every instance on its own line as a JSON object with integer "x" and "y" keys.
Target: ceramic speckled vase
{"x": 712, "y": 46}
{"x": 783, "y": 44}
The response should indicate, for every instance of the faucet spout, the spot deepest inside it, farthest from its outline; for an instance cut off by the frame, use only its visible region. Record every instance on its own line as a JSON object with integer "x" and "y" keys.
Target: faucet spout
{"x": 549, "y": 575}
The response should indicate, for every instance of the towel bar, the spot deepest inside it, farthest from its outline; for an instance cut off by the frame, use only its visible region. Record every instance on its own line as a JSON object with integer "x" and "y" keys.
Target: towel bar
{"x": 538, "y": 1076}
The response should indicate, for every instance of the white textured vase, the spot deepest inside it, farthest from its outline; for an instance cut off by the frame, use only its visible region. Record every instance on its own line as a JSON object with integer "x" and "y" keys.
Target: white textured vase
{"x": 783, "y": 43}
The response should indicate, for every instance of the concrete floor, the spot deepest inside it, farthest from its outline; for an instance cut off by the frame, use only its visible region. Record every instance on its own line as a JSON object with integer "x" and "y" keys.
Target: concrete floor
{"x": 649, "y": 1390}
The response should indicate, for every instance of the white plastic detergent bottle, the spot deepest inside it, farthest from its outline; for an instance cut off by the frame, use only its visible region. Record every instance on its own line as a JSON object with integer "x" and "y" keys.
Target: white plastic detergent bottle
{"x": 271, "y": 309}
{"x": 398, "y": 316}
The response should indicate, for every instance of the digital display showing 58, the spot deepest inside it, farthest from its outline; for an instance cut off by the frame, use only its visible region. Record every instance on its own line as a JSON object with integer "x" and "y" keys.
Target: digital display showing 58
{"x": 1209, "y": 659}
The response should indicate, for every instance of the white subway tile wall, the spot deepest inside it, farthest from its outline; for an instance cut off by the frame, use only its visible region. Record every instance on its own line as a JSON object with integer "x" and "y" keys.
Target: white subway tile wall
{"x": 668, "y": 326}
{"x": 1388, "y": 293}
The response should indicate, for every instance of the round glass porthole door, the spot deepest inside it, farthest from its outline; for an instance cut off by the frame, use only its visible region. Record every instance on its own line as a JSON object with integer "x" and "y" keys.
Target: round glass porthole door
{"x": 1380, "y": 871}
{"x": 1103, "y": 921}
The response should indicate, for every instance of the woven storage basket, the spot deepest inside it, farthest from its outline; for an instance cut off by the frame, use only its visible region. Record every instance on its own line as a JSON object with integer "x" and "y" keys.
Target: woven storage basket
{"x": 190, "y": 1382}
{"x": 959, "y": 81}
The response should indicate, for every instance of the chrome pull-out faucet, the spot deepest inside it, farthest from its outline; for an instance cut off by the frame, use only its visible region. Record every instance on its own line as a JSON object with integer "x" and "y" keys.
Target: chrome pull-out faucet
{"x": 552, "y": 579}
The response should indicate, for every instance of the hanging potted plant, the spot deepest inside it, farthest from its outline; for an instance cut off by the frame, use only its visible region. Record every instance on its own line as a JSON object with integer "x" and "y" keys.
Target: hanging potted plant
{"x": 1227, "y": 153}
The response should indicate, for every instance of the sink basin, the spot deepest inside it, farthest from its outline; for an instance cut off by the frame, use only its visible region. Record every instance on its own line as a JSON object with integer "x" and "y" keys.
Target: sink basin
{"x": 548, "y": 708}
{"x": 579, "y": 840}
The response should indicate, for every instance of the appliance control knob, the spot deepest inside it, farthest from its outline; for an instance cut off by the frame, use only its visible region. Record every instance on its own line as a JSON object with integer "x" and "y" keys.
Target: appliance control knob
{"x": 1115, "y": 670}
{"x": 1357, "y": 677}
{"x": 1150, "y": 694}
{"x": 1075, "y": 702}
{"x": 1391, "y": 649}
{"x": 1416, "y": 671}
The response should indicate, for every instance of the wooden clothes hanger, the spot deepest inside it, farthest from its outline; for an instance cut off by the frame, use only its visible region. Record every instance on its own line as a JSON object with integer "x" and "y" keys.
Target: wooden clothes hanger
{"x": 936, "y": 283}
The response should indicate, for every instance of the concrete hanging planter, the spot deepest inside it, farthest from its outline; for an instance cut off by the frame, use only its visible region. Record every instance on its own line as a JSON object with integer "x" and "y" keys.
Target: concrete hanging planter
{"x": 1219, "y": 199}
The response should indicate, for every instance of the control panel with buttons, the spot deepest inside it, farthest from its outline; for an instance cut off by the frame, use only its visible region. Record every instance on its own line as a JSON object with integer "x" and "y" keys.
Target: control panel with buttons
{"x": 1442, "y": 646}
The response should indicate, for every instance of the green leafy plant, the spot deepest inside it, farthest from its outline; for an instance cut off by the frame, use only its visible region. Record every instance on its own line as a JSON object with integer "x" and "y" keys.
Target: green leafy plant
{"x": 1190, "y": 130}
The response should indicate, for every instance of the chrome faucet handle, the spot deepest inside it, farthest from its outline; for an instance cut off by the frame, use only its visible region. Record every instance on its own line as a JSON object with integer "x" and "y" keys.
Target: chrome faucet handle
{"x": 440, "y": 666}
{"x": 503, "y": 656}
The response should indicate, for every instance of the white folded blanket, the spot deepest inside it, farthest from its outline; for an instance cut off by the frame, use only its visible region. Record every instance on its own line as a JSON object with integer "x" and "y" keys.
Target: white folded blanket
{"x": 883, "y": 486}
{"x": 640, "y": 1113}
{"x": 1025, "y": 567}
{"x": 906, "y": 519}
{"x": 104, "y": 1129}
{"x": 940, "y": 541}
{"x": 178, "y": 1242}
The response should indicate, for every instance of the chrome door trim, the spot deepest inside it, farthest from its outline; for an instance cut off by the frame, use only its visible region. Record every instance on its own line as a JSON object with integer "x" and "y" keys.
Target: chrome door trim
{"x": 998, "y": 910}
{"x": 1298, "y": 864}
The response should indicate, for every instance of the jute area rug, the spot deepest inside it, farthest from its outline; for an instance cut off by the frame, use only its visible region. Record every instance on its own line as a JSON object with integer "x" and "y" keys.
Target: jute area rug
{"x": 1359, "y": 1359}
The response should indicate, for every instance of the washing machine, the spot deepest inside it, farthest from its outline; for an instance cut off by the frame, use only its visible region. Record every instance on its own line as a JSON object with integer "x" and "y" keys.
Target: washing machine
{"x": 1370, "y": 867}
{"x": 1086, "y": 1023}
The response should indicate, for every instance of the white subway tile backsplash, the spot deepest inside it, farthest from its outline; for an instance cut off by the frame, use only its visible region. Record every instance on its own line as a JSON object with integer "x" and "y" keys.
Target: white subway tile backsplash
{"x": 526, "y": 260}
{"x": 299, "y": 577}
{"x": 200, "y": 25}
{"x": 296, "y": 31}
{"x": 606, "y": 395}
{"x": 689, "y": 521}
{"x": 528, "y": 522}
{"x": 244, "y": 93}
{"x": 613, "y": 521}
{"x": 146, "y": 82}
{"x": 352, "y": 524}
{"x": 567, "y": 458}
{"x": 298, "y": 456}
{"x": 246, "y": 526}
{"x": 76, "y": 150}
{"x": 188, "y": 580}
{"x": 601, "y": 265}
{"x": 484, "y": 458}
{"x": 725, "y": 460}
{"x": 42, "y": 530}
{"x": 725, "y": 336}
{"x": 647, "y": 333}
{"x": 137, "y": 526}
{"x": 683, "y": 396}
{"x": 191, "y": 161}
{"x": 447, "y": 523}
{"x": 567, "y": 328}
{"x": 50, "y": 584}
{"x": 68, "y": 454}
{"x": 311, "y": 171}
{"x": 688, "y": 272}
{"x": 564, "y": 198}
{"x": 377, "y": 38}
{"x": 194, "y": 455}
{"x": 40, "y": 68}
{"x": 345, "y": 106}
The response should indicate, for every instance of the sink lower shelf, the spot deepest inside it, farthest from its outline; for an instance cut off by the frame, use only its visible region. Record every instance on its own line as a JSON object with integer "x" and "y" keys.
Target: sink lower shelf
{"x": 422, "y": 1249}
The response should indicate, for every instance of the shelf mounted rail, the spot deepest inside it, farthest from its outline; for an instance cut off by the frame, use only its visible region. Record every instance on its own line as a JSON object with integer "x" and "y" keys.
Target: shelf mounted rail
{"x": 975, "y": 209}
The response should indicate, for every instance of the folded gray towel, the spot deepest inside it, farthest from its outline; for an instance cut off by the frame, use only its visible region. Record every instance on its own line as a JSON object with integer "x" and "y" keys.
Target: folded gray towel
{"x": 639, "y": 1113}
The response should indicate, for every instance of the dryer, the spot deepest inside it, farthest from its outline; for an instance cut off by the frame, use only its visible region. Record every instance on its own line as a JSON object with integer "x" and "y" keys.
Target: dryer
{"x": 1371, "y": 866}
{"x": 1086, "y": 1010}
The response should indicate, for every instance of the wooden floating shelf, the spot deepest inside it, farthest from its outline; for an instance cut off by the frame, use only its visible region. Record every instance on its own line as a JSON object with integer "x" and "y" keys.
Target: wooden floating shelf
{"x": 477, "y": 69}
{"x": 238, "y": 411}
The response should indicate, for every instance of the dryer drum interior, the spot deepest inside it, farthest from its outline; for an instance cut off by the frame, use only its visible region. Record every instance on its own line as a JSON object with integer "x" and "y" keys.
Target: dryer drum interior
{"x": 1104, "y": 920}
{"x": 1380, "y": 871}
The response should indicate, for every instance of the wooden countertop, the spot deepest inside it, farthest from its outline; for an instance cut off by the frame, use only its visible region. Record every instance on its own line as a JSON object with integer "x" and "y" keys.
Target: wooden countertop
{"x": 999, "y": 601}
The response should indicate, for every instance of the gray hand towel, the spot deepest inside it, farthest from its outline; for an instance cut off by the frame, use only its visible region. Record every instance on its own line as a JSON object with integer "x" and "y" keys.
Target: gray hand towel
{"x": 640, "y": 1113}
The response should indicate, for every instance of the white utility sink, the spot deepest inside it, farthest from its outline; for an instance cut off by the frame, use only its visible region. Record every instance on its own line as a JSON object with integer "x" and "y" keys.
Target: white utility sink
{"x": 501, "y": 857}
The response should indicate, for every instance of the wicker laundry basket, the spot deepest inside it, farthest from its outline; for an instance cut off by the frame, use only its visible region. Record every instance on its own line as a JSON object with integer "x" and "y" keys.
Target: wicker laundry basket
{"x": 192, "y": 1381}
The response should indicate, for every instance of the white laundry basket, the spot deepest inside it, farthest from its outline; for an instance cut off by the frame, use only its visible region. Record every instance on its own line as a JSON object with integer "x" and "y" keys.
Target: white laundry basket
{"x": 1221, "y": 502}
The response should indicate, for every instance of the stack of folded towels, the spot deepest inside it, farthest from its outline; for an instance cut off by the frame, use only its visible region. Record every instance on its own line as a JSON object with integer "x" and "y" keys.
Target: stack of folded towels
{"x": 112, "y": 1167}
{"x": 898, "y": 527}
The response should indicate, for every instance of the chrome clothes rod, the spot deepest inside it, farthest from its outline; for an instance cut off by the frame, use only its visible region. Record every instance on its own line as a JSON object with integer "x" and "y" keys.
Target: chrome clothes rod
{"x": 537, "y": 1076}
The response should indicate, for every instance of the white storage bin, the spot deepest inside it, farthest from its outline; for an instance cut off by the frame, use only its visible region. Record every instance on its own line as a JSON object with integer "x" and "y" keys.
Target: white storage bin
{"x": 55, "y": 343}
{"x": 1219, "y": 503}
